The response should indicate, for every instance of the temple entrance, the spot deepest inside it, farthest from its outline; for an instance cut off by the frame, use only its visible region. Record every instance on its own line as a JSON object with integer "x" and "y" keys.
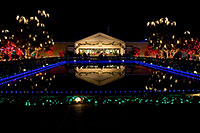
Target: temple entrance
{"x": 96, "y": 51}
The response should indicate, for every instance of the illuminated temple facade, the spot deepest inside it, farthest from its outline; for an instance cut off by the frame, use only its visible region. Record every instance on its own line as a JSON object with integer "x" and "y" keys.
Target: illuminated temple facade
{"x": 100, "y": 43}
{"x": 97, "y": 44}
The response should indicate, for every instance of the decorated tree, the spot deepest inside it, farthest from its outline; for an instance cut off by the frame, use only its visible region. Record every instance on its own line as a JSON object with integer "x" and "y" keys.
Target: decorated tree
{"x": 49, "y": 51}
{"x": 162, "y": 36}
{"x": 31, "y": 34}
{"x": 8, "y": 48}
{"x": 136, "y": 51}
{"x": 151, "y": 52}
{"x": 191, "y": 46}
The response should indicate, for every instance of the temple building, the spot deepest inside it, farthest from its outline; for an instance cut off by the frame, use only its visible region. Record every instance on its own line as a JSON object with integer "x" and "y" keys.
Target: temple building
{"x": 100, "y": 43}
{"x": 97, "y": 44}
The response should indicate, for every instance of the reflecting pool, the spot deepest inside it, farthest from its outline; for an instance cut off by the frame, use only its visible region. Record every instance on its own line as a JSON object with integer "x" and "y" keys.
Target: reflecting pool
{"x": 100, "y": 79}
{"x": 97, "y": 95}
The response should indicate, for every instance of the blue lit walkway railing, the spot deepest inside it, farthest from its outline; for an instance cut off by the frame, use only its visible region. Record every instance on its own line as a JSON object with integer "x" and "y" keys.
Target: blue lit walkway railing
{"x": 38, "y": 70}
{"x": 29, "y": 73}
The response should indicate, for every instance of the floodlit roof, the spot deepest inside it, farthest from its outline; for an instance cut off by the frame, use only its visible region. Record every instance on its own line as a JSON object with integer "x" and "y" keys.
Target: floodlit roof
{"x": 99, "y": 38}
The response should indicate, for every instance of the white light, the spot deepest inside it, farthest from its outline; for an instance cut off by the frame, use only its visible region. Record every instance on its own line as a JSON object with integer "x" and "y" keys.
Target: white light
{"x": 146, "y": 87}
{"x": 78, "y": 99}
{"x": 163, "y": 76}
{"x": 17, "y": 18}
{"x": 31, "y": 18}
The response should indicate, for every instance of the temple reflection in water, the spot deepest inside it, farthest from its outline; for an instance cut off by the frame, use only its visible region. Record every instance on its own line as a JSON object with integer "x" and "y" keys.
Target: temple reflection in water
{"x": 100, "y": 75}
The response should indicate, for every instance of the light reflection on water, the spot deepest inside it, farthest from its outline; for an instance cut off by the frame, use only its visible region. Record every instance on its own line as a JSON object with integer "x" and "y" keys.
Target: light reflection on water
{"x": 114, "y": 77}
{"x": 100, "y": 76}
{"x": 99, "y": 85}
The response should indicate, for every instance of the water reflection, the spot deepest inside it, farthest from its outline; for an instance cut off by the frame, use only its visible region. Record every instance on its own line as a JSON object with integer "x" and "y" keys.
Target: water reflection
{"x": 97, "y": 79}
{"x": 100, "y": 75}
{"x": 162, "y": 82}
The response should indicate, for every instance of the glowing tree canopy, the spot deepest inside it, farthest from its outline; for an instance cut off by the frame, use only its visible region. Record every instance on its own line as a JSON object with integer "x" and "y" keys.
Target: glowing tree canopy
{"x": 31, "y": 33}
{"x": 163, "y": 36}
{"x": 8, "y": 48}
{"x": 191, "y": 46}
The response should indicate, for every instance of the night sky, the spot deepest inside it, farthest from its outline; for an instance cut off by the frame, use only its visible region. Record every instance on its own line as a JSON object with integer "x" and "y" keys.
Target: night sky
{"x": 127, "y": 20}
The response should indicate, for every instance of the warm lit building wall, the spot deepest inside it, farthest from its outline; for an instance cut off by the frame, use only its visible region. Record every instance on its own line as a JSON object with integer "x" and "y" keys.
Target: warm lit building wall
{"x": 141, "y": 45}
{"x": 69, "y": 46}
{"x": 58, "y": 47}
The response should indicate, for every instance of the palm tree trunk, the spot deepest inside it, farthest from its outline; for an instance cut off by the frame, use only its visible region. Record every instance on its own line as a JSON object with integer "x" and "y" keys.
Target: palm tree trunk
{"x": 161, "y": 54}
{"x": 167, "y": 53}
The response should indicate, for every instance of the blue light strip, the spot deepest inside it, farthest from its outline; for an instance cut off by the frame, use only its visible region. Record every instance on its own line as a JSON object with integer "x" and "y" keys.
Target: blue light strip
{"x": 35, "y": 71}
{"x": 31, "y": 71}
{"x": 20, "y": 77}
{"x": 169, "y": 70}
{"x": 98, "y": 91}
